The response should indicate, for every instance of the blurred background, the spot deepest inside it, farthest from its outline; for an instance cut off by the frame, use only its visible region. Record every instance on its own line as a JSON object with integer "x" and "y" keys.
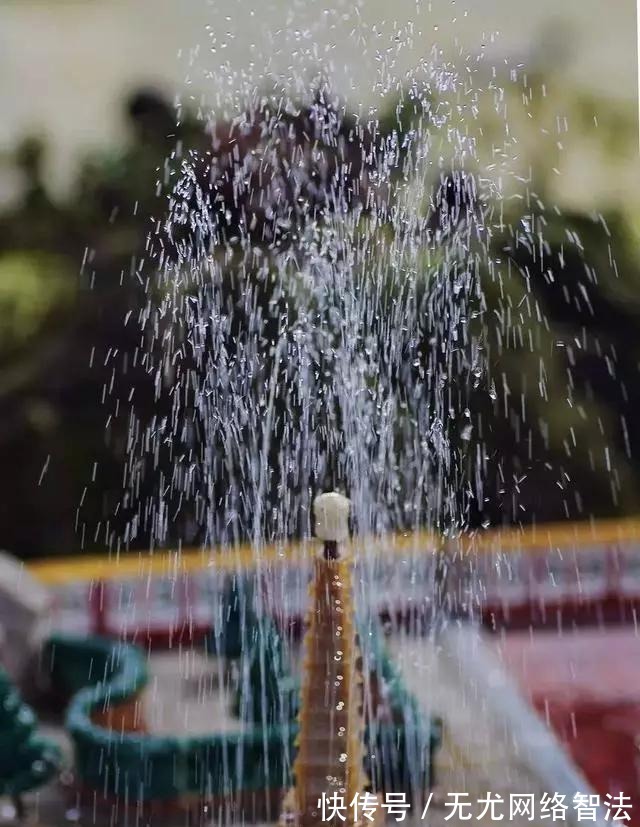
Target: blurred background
{"x": 90, "y": 90}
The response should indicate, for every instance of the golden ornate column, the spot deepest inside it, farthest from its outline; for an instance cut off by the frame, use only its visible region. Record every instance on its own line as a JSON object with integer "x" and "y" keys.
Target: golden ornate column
{"x": 330, "y": 742}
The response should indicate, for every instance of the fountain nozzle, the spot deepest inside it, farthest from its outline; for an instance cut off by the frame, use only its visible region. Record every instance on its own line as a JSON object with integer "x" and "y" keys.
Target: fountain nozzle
{"x": 331, "y": 511}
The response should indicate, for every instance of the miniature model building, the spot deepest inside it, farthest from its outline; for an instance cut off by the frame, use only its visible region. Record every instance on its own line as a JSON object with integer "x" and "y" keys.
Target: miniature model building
{"x": 265, "y": 754}
{"x": 291, "y": 732}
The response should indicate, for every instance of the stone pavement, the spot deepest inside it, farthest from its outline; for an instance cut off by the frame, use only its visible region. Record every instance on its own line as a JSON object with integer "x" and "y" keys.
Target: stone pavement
{"x": 474, "y": 757}
{"x": 188, "y": 694}
{"x": 493, "y": 740}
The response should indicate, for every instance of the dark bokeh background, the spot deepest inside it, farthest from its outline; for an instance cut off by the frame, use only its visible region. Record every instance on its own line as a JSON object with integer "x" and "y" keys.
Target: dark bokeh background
{"x": 68, "y": 280}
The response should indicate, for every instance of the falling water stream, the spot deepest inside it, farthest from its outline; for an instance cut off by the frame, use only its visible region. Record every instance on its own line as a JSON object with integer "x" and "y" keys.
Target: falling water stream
{"x": 320, "y": 292}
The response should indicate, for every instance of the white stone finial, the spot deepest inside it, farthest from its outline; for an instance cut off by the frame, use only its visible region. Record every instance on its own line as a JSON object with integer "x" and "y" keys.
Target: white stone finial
{"x": 331, "y": 512}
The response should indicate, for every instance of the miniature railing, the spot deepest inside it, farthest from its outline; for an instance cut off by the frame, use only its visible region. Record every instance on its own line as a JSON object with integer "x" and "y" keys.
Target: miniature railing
{"x": 584, "y": 577}
{"x": 164, "y": 597}
{"x": 116, "y": 759}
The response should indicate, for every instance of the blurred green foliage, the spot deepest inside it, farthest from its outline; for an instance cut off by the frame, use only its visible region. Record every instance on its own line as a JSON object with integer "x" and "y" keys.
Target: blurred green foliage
{"x": 558, "y": 435}
{"x": 33, "y": 286}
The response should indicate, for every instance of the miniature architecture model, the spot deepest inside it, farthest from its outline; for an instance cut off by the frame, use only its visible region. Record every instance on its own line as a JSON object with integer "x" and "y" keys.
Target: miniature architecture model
{"x": 331, "y": 723}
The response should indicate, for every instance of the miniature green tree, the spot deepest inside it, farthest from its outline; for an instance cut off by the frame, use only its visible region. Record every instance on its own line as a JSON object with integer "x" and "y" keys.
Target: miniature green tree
{"x": 240, "y": 616}
{"x": 266, "y": 692}
{"x": 27, "y": 759}
{"x": 266, "y": 673}
{"x": 236, "y": 620}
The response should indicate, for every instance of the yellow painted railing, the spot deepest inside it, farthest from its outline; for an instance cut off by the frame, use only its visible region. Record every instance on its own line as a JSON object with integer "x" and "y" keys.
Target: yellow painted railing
{"x": 532, "y": 539}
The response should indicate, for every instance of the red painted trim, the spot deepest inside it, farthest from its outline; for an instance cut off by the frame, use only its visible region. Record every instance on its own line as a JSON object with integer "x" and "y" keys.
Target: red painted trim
{"x": 98, "y": 607}
{"x": 608, "y": 609}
